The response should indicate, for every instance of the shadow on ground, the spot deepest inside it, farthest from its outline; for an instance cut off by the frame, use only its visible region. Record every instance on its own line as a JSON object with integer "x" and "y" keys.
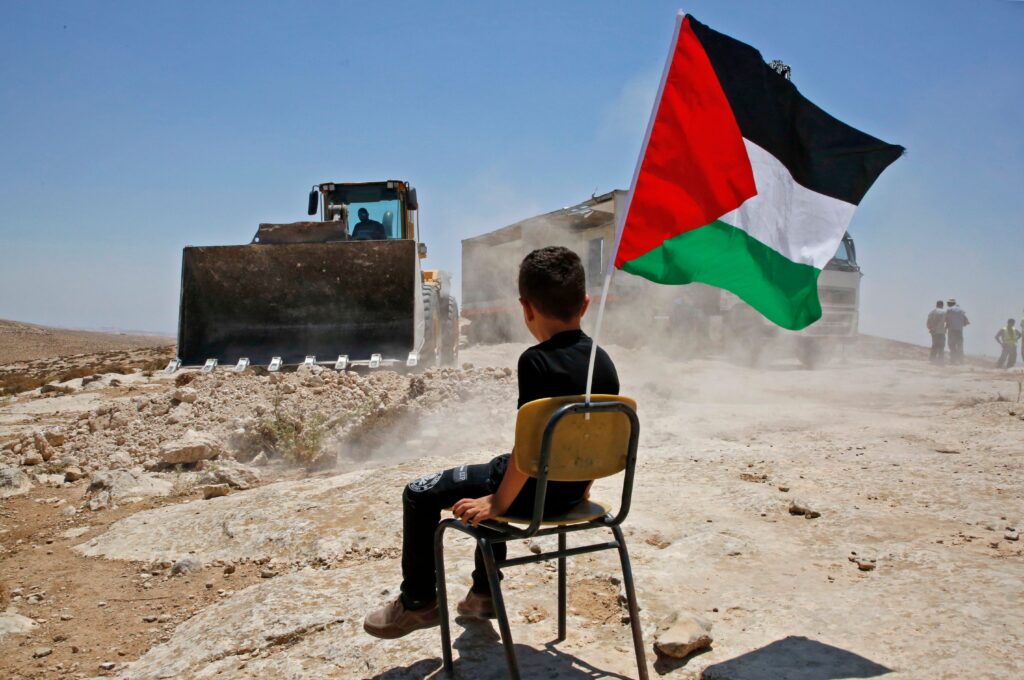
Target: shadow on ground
{"x": 795, "y": 658}
{"x": 482, "y": 656}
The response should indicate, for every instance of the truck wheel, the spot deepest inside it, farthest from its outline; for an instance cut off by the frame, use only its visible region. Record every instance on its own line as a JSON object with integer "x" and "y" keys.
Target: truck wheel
{"x": 814, "y": 352}
{"x": 431, "y": 332}
{"x": 450, "y": 335}
{"x": 745, "y": 336}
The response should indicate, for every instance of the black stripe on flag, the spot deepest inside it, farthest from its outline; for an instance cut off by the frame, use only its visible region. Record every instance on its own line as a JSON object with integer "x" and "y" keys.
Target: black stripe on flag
{"x": 822, "y": 153}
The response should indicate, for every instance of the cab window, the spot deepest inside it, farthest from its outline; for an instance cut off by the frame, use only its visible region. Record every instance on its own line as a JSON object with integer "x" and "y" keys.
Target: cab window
{"x": 844, "y": 254}
{"x": 374, "y": 210}
{"x": 384, "y": 213}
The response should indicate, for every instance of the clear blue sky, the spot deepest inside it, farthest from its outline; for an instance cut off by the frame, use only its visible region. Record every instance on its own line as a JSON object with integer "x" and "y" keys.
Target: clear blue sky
{"x": 132, "y": 129}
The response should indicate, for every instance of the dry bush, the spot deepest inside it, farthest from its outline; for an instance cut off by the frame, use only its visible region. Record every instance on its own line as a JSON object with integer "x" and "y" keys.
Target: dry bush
{"x": 13, "y": 383}
{"x": 53, "y": 467}
{"x": 78, "y": 372}
{"x": 19, "y": 382}
{"x": 183, "y": 484}
{"x": 296, "y": 437}
{"x": 157, "y": 364}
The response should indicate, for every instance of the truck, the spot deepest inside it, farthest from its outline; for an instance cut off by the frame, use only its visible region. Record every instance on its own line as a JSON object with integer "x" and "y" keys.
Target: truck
{"x": 330, "y": 291}
{"x": 686, "y": 320}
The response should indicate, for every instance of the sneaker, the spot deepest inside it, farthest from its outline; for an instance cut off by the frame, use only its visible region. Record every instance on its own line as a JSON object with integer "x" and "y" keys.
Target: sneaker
{"x": 477, "y": 606}
{"x": 394, "y": 620}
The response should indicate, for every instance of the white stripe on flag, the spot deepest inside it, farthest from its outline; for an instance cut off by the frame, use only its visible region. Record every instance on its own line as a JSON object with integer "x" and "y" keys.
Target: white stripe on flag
{"x": 802, "y": 225}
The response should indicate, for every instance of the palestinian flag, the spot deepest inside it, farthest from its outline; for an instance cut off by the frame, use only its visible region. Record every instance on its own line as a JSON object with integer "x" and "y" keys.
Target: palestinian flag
{"x": 744, "y": 184}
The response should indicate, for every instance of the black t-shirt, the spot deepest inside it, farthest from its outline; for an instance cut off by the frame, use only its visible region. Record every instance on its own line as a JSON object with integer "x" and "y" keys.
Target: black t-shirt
{"x": 557, "y": 367}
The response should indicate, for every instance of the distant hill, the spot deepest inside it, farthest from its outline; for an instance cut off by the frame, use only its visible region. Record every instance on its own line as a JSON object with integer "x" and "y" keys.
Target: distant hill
{"x": 21, "y": 341}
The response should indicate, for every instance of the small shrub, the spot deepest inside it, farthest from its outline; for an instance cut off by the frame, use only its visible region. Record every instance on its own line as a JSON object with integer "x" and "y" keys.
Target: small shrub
{"x": 19, "y": 382}
{"x": 54, "y": 467}
{"x": 45, "y": 372}
{"x": 78, "y": 372}
{"x": 183, "y": 485}
{"x": 296, "y": 437}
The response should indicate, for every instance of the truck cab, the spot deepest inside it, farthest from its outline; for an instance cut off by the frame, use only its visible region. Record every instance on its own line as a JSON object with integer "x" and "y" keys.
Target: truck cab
{"x": 839, "y": 292}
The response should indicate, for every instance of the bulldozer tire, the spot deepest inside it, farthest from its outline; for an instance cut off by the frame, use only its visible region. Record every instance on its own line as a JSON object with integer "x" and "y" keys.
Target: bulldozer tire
{"x": 450, "y": 335}
{"x": 815, "y": 353}
{"x": 431, "y": 326}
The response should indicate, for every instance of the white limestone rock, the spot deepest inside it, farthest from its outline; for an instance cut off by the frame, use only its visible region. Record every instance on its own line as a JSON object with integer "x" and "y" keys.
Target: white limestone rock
{"x": 13, "y": 482}
{"x": 682, "y": 635}
{"x": 191, "y": 448}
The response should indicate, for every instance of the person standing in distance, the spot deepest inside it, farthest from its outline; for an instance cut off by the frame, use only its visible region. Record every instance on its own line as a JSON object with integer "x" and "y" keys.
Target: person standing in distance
{"x": 956, "y": 321}
{"x": 1007, "y": 338}
{"x": 937, "y": 328}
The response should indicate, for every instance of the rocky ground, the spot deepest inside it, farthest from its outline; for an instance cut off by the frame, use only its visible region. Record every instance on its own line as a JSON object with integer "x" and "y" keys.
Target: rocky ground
{"x": 33, "y": 356}
{"x": 855, "y": 521}
{"x": 26, "y": 342}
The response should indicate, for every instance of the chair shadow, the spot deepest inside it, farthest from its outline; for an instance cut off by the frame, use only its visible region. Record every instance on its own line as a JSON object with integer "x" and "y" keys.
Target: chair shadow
{"x": 481, "y": 655}
{"x": 423, "y": 668}
{"x": 795, "y": 658}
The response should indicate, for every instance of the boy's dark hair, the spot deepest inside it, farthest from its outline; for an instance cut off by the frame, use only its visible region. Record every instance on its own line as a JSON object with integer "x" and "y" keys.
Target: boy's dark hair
{"x": 552, "y": 280}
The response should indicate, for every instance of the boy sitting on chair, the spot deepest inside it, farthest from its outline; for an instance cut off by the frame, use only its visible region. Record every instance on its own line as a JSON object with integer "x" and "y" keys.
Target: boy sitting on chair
{"x": 552, "y": 291}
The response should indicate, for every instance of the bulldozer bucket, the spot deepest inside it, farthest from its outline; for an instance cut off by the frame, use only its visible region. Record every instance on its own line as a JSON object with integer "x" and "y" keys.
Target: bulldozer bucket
{"x": 292, "y": 300}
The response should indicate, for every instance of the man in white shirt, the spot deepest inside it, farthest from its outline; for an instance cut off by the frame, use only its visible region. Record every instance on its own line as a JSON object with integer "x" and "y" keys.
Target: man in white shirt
{"x": 956, "y": 321}
{"x": 937, "y": 328}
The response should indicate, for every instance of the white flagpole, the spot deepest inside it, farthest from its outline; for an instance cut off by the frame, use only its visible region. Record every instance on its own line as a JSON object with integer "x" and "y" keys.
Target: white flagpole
{"x": 620, "y": 215}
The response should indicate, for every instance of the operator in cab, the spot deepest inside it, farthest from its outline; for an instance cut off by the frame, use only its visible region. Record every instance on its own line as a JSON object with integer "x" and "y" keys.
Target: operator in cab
{"x": 367, "y": 229}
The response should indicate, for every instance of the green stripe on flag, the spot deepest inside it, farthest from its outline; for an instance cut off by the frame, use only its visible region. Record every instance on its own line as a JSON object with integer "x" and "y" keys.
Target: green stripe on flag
{"x": 719, "y": 254}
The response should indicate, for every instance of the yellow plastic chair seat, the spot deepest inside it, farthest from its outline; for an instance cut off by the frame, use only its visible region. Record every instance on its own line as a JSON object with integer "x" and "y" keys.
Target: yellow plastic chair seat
{"x": 583, "y": 512}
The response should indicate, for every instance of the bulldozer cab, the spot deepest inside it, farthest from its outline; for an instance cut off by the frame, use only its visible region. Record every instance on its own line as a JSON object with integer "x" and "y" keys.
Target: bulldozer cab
{"x": 367, "y": 211}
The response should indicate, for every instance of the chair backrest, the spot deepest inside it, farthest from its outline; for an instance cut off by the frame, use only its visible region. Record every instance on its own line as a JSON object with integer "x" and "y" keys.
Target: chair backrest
{"x": 584, "y": 446}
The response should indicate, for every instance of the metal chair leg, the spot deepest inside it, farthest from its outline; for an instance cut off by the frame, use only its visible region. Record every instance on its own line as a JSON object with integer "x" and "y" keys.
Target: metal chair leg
{"x": 442, "y": 598}
{"x": 634, "y": 609}
{"x": 499, "y": 607}
{"x": 562, "y": 588}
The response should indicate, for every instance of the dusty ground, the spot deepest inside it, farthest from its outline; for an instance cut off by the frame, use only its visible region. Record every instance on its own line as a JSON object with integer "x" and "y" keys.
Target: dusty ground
{"x": 915, "y": 469}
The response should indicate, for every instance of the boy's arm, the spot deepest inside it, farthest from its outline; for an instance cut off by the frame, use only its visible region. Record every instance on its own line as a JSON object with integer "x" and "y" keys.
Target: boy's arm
{"x": 476, "y": 510}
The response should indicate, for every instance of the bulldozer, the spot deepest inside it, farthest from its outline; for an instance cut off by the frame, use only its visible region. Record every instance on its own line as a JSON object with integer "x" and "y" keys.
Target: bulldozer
{"x": 330, "y": 291}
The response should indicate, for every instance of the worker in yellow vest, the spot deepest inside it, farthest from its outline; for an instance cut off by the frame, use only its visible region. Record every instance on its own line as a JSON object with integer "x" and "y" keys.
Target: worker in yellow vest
{"x": 1007, "y": 337}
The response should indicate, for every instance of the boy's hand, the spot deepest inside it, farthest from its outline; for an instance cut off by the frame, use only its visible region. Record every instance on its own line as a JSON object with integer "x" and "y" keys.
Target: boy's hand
{"x": 472, "y": 511}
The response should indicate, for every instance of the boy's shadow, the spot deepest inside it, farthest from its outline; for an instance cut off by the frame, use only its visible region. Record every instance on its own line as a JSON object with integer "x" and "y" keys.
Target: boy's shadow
{"x": 481, "y": 655}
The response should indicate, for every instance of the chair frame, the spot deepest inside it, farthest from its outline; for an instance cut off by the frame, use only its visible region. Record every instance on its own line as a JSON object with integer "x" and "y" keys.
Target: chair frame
{"x": 500, "y": 532}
